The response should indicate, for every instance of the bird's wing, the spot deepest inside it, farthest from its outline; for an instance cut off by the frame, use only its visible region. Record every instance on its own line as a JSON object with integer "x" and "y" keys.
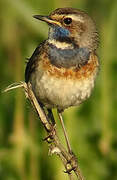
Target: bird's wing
{"x": 32, "y": 61}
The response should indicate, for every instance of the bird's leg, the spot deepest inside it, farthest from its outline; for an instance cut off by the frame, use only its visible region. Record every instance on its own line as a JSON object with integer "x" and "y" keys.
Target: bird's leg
{"x": 50, "y": 116}
{"x": 73, "y": 160}
{"x": 48, "y": 113}
{"x": 65, "y": 132}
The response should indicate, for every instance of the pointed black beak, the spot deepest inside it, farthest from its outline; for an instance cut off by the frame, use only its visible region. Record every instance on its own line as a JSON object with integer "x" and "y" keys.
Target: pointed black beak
{"x": 47, "y": 19}
{"x": 41, "y": 18}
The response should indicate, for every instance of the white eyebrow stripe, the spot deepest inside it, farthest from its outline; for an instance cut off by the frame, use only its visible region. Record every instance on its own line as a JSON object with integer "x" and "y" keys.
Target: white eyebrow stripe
{"x": 76, "y": 17}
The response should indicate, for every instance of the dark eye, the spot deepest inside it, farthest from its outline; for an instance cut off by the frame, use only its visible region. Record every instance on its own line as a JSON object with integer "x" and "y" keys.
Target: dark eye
{"x": 67, "y": 21}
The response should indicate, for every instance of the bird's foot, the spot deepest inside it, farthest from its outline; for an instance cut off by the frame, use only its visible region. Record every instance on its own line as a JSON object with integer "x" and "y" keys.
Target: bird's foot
{"x": 72, "y": 164}
{"x": 49, "y": 138}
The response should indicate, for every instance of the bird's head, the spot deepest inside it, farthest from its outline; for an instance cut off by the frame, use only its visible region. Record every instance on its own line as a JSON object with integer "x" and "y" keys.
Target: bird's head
{"x": 71, "y": 26}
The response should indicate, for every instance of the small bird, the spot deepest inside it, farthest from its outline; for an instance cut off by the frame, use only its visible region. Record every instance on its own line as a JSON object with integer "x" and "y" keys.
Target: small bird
{"x": 63, "y": 68}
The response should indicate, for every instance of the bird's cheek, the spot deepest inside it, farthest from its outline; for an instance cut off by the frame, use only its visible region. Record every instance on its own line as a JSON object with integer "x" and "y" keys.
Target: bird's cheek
{"x": 73, "y": 32}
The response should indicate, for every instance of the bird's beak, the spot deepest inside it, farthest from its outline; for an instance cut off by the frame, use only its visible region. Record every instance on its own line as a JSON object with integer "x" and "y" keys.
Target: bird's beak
{"x": 47, "y": 19}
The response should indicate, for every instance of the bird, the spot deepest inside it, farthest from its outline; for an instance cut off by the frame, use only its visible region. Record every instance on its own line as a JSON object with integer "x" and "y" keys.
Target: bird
{"x": 63, "y": 68}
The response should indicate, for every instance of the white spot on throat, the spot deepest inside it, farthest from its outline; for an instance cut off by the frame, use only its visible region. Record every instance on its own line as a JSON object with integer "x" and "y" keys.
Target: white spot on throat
{"x": 61, "y": 45}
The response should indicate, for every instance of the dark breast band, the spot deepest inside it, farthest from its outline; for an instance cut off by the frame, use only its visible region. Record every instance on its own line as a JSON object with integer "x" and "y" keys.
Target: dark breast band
{"x": 68, "y": 57}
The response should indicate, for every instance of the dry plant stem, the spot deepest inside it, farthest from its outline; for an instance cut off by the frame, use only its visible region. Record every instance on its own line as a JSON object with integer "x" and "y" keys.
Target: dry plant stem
{"x": 65, "y": 132}
{"x": 49, "y": 128}
{"x": 55, "y": 146}
{"x": 65, "y": 165}
{"x": 38, "y": 108}
{"x": 78, "y": 172}
{"x": 46, "y": 124}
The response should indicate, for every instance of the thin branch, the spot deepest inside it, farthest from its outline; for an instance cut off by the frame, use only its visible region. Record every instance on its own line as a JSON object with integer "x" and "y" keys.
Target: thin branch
{"x": 55, "y": 147}
{"x": 65, "y": 133}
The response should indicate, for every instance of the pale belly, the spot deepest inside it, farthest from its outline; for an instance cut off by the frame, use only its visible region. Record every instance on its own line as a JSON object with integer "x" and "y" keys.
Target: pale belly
{"x": 61, "y": 93}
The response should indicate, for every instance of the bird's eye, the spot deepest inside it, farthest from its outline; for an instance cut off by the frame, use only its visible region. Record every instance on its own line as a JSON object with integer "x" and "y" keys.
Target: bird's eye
{"x": 67, "y": 21}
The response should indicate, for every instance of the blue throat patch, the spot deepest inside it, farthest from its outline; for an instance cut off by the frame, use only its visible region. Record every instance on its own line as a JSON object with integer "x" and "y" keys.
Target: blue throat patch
{"x": 66, "y": 57}
{"x": 59, "y": 33}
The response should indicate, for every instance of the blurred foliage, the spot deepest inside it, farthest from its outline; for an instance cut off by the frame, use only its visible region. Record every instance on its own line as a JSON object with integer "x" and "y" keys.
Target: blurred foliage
{"x": 92, "y": 127}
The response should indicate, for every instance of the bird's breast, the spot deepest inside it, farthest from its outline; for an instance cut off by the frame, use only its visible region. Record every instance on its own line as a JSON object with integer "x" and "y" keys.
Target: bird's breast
{"x": 77, "y": 73}
{"x": 61, "y": 87}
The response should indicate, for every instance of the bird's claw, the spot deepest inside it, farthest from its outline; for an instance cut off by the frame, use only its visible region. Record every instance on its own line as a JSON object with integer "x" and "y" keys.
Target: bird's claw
{"x": 72, "y": 164}
{"x": 50, "y": 136}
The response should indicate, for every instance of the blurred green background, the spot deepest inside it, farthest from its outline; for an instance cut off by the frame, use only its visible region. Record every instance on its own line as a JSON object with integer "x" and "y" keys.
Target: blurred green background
{"x": 92, "y": 127}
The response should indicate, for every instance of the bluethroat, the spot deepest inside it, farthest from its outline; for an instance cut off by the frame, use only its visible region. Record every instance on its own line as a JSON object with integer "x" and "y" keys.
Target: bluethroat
{"x": 63, "y": 68}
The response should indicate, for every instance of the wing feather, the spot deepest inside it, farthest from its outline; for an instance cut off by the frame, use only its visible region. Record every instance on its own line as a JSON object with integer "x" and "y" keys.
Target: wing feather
{"x": 31, "y": 65}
